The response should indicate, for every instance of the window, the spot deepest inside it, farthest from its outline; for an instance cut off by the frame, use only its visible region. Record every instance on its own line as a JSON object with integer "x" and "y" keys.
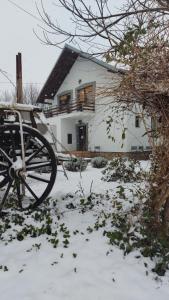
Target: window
{"x": 133, "y": 148}
{"x": 154, "y": 127}
{"x": 69, "y": 138}
{"x": 137, "y": 121}
{"x": 85, "y": 94}
{"x": 64, "y": 99}
{"x": 154, "y": 124}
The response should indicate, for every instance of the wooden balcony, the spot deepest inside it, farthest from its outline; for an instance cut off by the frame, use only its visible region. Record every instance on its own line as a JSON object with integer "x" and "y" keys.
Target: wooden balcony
{"x": 69, "y": 108}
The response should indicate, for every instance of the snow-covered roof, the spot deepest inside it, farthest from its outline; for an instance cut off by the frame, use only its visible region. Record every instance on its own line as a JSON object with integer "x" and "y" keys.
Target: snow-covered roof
{"x": 18, "y": 106}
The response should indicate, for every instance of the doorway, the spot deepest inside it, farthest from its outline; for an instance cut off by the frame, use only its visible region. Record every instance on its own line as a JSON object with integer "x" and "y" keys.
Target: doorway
{"x": 82, "y": 137}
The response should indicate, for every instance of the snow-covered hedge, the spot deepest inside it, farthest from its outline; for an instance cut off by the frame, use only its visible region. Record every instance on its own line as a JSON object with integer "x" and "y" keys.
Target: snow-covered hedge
{"x": 124, "y": 169}
{"x": 75, "y": 165}
{"x": 99, "y": 162}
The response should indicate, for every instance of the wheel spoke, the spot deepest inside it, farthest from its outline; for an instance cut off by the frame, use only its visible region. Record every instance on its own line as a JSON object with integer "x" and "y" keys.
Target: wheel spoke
{"x": 3, "y": 172}
{"x": 6, "y": 156}
{"x": 26, "y": 143}
{"x": 6, "y": 194}
{"x": 29, "y": 189}
{"x": 4, "y": 165}
{"x": 34, "y": 154}
{"x": 18, "y": 190}
{"x": 38, "y": 178}
{"x": 38, "y": 165}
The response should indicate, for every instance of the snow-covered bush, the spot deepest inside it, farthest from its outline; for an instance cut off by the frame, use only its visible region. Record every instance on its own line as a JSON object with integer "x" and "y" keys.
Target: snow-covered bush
{"x": 99, "y": 162}
{"x": 124, "y": 169}
{"x": 75, "y": 165}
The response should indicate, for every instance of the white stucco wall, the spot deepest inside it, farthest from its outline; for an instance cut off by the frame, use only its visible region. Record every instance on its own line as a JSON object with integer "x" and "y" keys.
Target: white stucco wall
{"x": 137, "y": 136}
{"x": 68, "y": 127}
{"x": 87, "y": 71}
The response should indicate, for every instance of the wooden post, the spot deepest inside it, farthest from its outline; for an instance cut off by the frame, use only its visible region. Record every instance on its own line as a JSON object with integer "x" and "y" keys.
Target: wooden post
{"x": 19, "y": 89}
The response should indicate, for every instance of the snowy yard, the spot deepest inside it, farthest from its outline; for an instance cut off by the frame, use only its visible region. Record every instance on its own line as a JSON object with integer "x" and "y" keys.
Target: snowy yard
{"x": 76, "y": 262}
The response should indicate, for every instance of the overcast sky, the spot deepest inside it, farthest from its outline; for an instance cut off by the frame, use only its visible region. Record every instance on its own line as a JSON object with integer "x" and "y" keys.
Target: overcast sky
{"x": 16, "y": 35}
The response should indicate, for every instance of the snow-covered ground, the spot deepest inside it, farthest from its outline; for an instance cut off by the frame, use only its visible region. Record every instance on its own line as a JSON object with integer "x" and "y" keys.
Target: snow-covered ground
{"x": 88, "y": 267}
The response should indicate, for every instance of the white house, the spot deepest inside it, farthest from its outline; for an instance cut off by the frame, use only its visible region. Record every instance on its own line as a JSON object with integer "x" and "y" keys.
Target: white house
{"x": 79, "y": 112}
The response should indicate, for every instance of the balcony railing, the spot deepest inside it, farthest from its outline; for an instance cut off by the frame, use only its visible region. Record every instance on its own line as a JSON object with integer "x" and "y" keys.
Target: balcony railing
{"x": 69, "y": 108}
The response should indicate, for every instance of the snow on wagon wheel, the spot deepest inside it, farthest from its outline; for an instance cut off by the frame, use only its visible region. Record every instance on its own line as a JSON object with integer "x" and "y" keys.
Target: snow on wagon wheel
{"x": 33, "y": 183}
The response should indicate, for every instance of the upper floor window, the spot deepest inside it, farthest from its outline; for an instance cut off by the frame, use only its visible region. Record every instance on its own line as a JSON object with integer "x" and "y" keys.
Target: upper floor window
{"x": 137, "y": 121}
{"x": 64, "y": 99}
{"x": 86, "y": 94}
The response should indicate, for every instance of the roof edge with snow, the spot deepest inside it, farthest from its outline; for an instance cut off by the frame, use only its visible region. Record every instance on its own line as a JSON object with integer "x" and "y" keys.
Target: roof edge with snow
{"x": 62, "y": 67}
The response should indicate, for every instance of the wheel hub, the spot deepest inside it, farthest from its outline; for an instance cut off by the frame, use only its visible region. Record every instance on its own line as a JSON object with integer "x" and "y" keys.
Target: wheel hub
{"x": 16, "y": 169}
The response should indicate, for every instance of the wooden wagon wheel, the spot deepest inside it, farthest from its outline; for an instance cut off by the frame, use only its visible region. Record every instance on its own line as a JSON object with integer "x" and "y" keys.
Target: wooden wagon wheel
{"x": 4, "y": 166}
{"x": 39, "y": 174}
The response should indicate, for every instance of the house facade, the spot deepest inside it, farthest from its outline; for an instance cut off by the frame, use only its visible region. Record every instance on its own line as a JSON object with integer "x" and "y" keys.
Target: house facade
{"x": 80, "y": 113}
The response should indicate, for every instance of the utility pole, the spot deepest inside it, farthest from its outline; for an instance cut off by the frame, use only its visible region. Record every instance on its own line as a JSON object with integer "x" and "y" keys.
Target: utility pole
{"x": 19, "y": 89}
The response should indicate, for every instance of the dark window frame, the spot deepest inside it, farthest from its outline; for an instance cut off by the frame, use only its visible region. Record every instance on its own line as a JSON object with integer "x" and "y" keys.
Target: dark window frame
{"x": 84, "y": 86}
{"x": 62, "y": 103}
{"x": 153, "y": 124}
{"x": 69, "y": 138}
{"x": 137, "y": 121}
